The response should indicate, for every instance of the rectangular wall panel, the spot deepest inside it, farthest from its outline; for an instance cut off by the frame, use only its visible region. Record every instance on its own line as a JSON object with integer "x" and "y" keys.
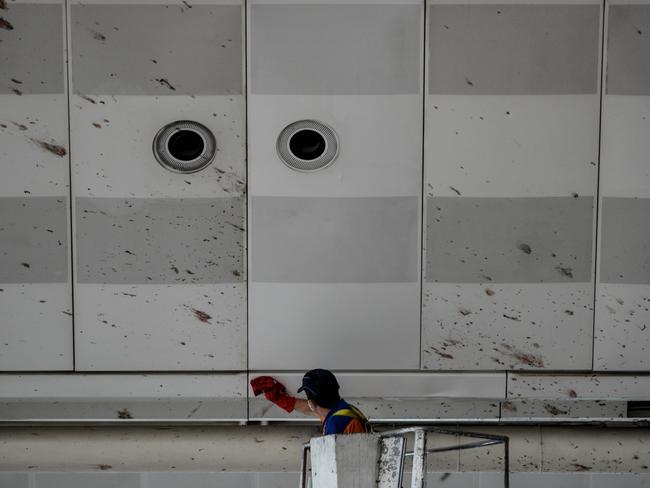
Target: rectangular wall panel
{"x": 622, "y": 333}
{"x": 334, "y": 253}
{"x": 35, "y": 289}
{"x": 160, "y": 255}
{"x": 123, "y": 397}
{"x": 393, "y": 396}
{"x": 510, "y": 175}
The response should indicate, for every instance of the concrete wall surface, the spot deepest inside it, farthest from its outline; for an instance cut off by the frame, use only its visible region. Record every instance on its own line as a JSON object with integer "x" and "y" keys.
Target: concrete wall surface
{"x": 279, "y": 448}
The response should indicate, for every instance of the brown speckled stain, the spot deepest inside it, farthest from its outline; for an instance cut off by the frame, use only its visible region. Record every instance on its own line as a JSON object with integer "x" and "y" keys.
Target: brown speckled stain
{"x": 53, "y": 148}
{"x": 201, "y": 315}
{"x": 124, "y": 414}
{"x": 5, "y": 24}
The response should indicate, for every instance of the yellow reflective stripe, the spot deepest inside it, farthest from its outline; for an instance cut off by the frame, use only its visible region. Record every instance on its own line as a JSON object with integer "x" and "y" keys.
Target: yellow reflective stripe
{"x": 350, "y": 412}
{"x": 345, "y": 412}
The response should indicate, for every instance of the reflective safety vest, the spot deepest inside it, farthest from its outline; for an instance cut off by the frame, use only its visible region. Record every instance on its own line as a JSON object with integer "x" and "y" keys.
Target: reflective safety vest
{"x": 345, "y": 419}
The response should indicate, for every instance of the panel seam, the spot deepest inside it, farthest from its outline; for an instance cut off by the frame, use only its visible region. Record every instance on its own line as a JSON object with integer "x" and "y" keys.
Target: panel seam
{"x": 598, "y": 196}
{"x": 422, "y": 206}
{"x": 71, "y": 266}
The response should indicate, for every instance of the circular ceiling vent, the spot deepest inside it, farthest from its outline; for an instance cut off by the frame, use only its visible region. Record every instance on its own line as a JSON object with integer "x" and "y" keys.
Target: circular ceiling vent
{"x": 307, "y": 145}
{"x": 184, "y": 146}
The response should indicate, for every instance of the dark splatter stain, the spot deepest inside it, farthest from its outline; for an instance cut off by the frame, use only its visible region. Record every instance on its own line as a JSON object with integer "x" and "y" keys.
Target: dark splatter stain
{"x": 522, "y": 357}
{"x": 53, "y": 148}
{"x": 98, "y": 36}
{"x": 574, "y": 195}
{"x": 124, "y": 414}
{"x": 104, "y": 467}
{"x": 489, "y": 292}
{"x": 5, "y": 24}
{"x": 454, "y": 190}
{"x": 95, "y": 124}
{"x": 572, "y": 393}
{"x": 464, "y": 311}
{"x": 18, "y": 82}
{"x": 469, "y": 82}
{"x": 129, "y": 252}
{"x": 511, "y": 317}
{"x": 3, "y": 5}
{"x": 525, "y": 248}
{"x": 3, "y": 126}
{"x": 16, "y": 91}
{"x": 553, "y": 410}
{"x": 236, "y": 273}
{"x": 175, "y": 269}
{"x": 88, "y": 99}
{"x": 444, "y": 476}
{"x": 25, "y": 265}
{"x": 580, "y": 467}
{"x": 442, "y": 353}
{"x": 67, "y": 313}
{"x": 20, "y": 126}
{"x": 186, "y": 4}
{"x": 165, "y": 82}
{"x": 568, "y": 312}
{"x": 509, "y": 406}
{"x": 568, "y": 272}
{"x": 202, "y": 316}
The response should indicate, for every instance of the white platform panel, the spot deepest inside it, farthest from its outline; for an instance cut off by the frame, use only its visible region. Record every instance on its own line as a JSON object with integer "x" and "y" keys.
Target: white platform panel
{"x": 149, "y": 327}
{"x": 379, "y": 144}
{"x": 36, "y": 327}
{"x": 507, "y": 326}
{"x": 112, "y": 140}
{"x": 378, "y": 328}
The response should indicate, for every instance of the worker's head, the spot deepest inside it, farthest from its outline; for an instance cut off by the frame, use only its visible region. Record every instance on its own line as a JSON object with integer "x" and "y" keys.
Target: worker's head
{"x": 321, "y": 387}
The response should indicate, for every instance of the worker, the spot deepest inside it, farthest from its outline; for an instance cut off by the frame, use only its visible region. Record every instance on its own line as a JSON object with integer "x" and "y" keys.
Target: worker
{"x": 323, "y": 401}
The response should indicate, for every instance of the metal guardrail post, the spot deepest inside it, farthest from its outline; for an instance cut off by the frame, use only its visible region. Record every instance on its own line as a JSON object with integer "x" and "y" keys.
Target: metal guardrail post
{"x": 419, "y": 478}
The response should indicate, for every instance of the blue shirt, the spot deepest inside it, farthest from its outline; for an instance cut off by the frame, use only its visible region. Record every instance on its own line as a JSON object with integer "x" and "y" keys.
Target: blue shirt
{"x": 344, "y": 424}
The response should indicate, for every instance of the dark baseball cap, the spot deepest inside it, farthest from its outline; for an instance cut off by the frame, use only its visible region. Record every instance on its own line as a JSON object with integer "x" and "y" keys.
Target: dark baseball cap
{"x": 320, "y": 384}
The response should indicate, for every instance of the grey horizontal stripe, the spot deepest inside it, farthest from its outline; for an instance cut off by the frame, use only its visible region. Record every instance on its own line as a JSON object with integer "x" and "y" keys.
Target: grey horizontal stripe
{"x": 33, "y": 240}
{"x": 625, "y": 241}
{"x": 157, "y": 49}
{"x": 335, "y": 49}
{"x": 628, "y": 45}
{"x": 31, "y": 54}
{"x": 509, "y": 240}
{"x": 160, "y": 241}
{"x": 334, "y": 240}
{"x": 503, "y": 49}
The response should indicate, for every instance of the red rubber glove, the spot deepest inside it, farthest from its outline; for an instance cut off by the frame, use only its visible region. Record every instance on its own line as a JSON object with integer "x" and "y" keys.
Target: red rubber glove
{"x": 261, "y": 383}
{"x": 274, "y": 391}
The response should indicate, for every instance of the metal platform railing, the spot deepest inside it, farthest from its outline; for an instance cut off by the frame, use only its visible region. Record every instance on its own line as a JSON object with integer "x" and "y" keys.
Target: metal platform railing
{"x": 392, "y": 445}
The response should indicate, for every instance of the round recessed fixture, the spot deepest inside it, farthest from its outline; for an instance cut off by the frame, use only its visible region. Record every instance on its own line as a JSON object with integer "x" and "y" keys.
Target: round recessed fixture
{"x": 184, "y": 146}
{"x": 307, "y": 145}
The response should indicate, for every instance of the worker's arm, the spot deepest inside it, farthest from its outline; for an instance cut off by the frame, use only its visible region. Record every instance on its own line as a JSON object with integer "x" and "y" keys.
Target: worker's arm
{"x": 275, "y": 392}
